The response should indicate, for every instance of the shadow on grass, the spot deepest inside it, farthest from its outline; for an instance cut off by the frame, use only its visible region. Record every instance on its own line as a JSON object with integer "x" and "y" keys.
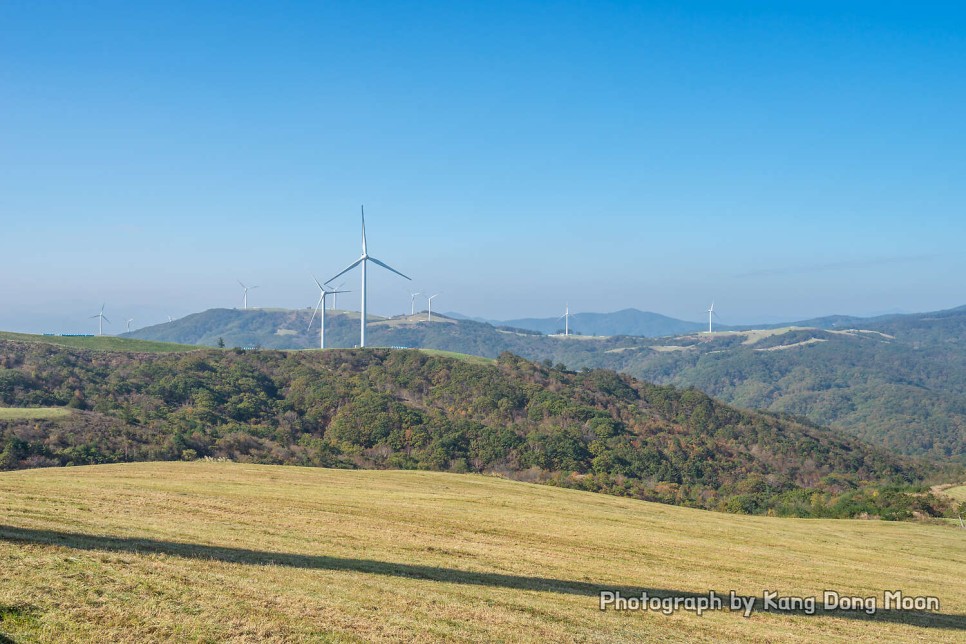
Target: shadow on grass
{"x": 430, "y": 573}
{"x": 17, "y": 617}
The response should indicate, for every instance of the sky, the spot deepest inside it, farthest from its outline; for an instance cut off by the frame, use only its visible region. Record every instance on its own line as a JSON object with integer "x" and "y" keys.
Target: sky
{"x": 784, "y": 159}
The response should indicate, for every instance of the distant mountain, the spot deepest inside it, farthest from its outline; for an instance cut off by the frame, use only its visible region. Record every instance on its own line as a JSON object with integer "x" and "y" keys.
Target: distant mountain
{"x": 625, "y": 322}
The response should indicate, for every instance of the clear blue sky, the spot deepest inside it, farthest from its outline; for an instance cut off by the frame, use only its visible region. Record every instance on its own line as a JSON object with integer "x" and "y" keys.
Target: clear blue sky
{"x": 786, "y": 159}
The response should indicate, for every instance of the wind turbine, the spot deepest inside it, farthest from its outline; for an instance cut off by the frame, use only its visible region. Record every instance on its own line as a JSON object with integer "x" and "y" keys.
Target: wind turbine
{"x": 170, "y": 319}
{"x": 129, "y": 324}
{"x": 335, "y": 298}
{"x": 566, "y": 318}
{"x": 321, "y": 307}
{"x": 100, "y": 320}
{"x": 412, "y": 303}
{"x": 711, "y": 314}
{"x": 363, "y": 261}
{"x": 246, "y": 289}
{"x": 429, "y": 301}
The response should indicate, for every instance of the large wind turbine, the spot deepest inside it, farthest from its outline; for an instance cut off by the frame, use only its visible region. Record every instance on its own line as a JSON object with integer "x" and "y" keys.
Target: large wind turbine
{"x": 246, "y": 289}
{"x": 429, "y": 302}
{"x": 711, "y": 314}
{"x": 100, "y": 320}
{"x": 129, "y": 324}
{"x": 321, "y": 307}
{"x": 363, "y": 261}
{"x": 412, "y": 303}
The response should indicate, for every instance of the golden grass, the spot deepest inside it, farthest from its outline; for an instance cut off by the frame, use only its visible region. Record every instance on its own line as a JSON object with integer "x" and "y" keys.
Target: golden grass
{"x": 958, "y": 492}
{"x": 101, "y": 343}
{"x": 228, "y": 552}
{"x": 465, "y": 357}
{"x": 33, "y": 413}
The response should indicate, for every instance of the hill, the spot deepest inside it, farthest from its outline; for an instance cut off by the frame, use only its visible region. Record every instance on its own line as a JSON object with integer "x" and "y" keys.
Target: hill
{"x": 594, "y": 430}
{"x": 624, "y": 322}
{"x": 228, "y": 552}
{"x": 101, "y": 343}
{"x": 898, "y": 382}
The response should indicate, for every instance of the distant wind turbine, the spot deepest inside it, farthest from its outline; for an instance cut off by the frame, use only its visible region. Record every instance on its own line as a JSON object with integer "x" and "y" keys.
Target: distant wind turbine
{"x": 320, "y": 307}
{"x": 246, "y": 289}
{"x": 566, "y": 318}
{"x": 129, "y": 321}
{"x": 711, "y": 315}
{"x": 429, "y": 301}
{"x": 100, "y": 320}
{"x": 170, "y": 319}
{"x": 363, "y": 261}
{"x": 335, "y": 298}
{"x": 412, "y": 303}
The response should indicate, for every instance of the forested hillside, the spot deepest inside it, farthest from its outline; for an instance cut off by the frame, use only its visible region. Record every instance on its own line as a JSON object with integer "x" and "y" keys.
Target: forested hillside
{"x": 899, "y": 382}
{"x": 595, "y": 430}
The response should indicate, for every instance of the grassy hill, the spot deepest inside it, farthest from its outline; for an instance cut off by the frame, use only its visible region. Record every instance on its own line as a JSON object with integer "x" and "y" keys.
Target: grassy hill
{"x": 230, "y": 552}
{"x": 100, "y": 343}
{"x": 407, "y": 409}
{"x": 625, "y": 322}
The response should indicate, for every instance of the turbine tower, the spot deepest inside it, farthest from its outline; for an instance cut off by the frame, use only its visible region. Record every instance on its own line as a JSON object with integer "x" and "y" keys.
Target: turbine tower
{"x": 412, "y": 303}
{"x": 429, "y": 301}
{"x": 365, "y": 259}
{"x": 246, "y": 289}
{"x": 320, "y": 307}
{"x": 100, "y": 320}
{"x": 129, "y": 324}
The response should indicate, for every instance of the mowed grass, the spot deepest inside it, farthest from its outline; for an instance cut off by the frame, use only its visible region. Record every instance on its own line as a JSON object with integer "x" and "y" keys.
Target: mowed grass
{"x": 958, "y": 492}
{"x": 479, "y": 360}
{"x": 209, "y": 551}
{"x": 101, "y": 343}
{"x": 33, "y": 413}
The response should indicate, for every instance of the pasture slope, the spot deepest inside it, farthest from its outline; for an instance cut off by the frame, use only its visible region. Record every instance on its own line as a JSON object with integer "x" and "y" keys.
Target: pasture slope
{"x": 100, "y": 343}
{"x": 212, "y": 551}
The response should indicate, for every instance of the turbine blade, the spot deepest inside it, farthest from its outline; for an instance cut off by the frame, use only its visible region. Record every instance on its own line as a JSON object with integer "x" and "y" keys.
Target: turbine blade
{"x": 363, "y": 209}
{"x": 242, "y": 285}
{"x": 105, "y": 319}
{"x": 321, "y": 299}
{"x": 346, "y": 270}
{"x": 388, "y": 267}
{"x": 318, "y": 282}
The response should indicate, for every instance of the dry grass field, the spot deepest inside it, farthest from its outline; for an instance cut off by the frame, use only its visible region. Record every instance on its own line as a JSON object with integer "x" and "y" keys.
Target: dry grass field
{"x": 33, "y": 413}
{"x": 208, "y": 551}
{"x": 100, "y": 343}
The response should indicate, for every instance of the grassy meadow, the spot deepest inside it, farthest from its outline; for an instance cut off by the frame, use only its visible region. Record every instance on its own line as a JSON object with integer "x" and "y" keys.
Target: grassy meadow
{"x": 100, "y": 343}
{"x": 958, "y": 492}
{"x": 213, "y": 551}
{"x": 33, "y": 413}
